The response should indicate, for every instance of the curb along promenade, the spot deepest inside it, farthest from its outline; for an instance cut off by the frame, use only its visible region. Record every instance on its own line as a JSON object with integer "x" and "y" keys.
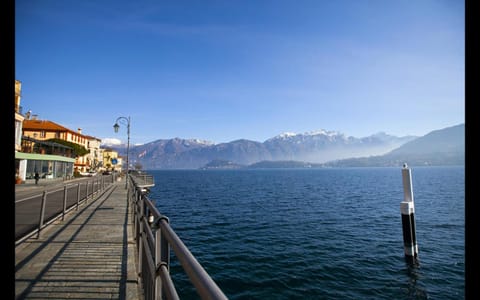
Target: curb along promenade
{"x": 91, "y": 254}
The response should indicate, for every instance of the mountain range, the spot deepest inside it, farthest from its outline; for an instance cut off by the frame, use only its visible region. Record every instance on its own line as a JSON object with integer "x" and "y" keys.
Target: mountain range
{"x": 328, "y": 148}
{"x": 439, "y": 147}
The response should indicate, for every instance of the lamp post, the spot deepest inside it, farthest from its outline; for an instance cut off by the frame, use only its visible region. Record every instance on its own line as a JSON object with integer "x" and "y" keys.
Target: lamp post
{"x": 115, "y": 127}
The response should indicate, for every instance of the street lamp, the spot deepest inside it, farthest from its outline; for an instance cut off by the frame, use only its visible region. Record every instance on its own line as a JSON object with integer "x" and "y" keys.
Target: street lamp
{"x": 116, "y": 127}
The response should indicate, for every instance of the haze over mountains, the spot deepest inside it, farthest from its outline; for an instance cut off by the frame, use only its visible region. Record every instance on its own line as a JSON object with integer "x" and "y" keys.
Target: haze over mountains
{"x": 321, "y": 148}
{"x": 439, "y": 147}
{"x": 318, "y": 147}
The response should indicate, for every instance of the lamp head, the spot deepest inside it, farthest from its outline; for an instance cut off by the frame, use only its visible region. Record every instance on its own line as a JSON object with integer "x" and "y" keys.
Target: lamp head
{"x": 115, "y": 127}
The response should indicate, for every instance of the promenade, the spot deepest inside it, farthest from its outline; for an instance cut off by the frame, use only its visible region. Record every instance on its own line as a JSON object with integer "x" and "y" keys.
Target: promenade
{"x": 89, "y": 255}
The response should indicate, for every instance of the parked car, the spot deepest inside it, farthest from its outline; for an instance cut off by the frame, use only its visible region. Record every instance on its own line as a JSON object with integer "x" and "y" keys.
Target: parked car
{"x": 88, "y": 174}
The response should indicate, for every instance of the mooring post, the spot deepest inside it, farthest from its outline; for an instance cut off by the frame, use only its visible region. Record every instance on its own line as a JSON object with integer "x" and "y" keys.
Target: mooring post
{"x": 407, "y": 209}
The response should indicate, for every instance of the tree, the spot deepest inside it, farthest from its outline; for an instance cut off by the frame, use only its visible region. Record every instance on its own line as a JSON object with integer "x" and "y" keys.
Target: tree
{"x": 77, "y": 149}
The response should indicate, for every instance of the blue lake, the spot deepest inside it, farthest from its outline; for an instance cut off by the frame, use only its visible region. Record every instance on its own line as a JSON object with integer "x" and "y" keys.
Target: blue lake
{"x": 317, "y": 233}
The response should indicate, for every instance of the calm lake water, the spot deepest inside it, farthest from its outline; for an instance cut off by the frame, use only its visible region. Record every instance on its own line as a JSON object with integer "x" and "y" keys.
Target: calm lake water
{"x": 317, "y": 233}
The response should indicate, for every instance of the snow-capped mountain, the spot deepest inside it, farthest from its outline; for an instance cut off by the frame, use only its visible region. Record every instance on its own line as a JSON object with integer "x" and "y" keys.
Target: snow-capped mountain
{"x": 324, "y": 145}
{"x": 321, "y": 132}
{"x": 315, "y": 146}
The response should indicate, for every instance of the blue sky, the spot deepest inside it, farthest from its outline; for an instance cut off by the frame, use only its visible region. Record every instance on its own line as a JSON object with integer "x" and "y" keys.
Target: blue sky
{"x": 225, "y": 70}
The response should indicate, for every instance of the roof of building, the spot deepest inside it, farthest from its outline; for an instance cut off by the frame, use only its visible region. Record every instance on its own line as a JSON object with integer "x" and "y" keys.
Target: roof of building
{"x": 51, "y": 126}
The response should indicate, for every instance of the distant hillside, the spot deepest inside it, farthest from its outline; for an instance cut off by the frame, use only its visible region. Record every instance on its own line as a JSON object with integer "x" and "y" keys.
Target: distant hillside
{"x": 282, "y": 164}
{"x": 447, "y": 140}
{"x": 221, "y": 164}
{"x": 440, "y": 147}
{"x": 316, "y": 147}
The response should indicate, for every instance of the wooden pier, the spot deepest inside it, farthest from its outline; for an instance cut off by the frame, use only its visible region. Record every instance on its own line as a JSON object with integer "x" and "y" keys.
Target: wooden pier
{"x": 89, "y": 255}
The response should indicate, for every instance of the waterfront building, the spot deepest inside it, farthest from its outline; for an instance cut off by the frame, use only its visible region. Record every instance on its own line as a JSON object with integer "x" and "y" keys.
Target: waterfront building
{"x": 44, "y": 130}
{"x": 39, "y": 147}
{"x": 51, "y": 160}
{"x": 111, "y": 160}
{"x": 18, "y": 116}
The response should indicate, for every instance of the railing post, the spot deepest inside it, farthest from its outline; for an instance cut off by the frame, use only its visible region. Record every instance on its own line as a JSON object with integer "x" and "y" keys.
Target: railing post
{"x": 64, "y": 202}
{"x": 78, "y": 195}
{"x": 158, "y": 261}
{"x": 135, "y": 215}
{"x": 162, "y": 255}
{"x": 165, "y": 247}
{"x": 140, "y": 237}
{"x": 133, "y": 198}
{"x": 86, "y": 195}
{"x": 42, "y": 213}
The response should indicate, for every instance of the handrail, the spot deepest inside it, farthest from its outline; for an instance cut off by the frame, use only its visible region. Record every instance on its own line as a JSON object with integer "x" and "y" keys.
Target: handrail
{"x": 154, "y": 238}
{"x": 204, "y": 284}
{"x": 60, "y": 202}
{"x": 142, "y": 179}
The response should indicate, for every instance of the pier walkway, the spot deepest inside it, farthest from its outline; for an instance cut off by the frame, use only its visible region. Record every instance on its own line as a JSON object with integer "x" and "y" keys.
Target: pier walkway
{"x": 89, "y": 255}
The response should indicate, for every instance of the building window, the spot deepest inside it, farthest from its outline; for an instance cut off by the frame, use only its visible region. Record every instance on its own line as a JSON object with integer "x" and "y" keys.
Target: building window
{"x": 43, "y": 134}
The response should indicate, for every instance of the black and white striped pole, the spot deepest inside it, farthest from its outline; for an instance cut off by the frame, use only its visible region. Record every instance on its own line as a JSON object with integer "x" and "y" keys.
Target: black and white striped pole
{"x": 407, "y": 209}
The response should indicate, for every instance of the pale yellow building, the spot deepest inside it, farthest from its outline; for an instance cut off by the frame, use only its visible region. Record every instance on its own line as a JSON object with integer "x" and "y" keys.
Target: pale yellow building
{"x": 111, "y": 160}
{"x": 43, "y": 130}
{"x": 18, "y": 116}
{"x": 94, "y": 159}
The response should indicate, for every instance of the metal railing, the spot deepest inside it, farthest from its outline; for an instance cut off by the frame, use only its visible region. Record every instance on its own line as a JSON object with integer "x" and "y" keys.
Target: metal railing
{"x": 35, "y": 212}
{"x": 142, "y": 179}
{"x": 154, "y": 238}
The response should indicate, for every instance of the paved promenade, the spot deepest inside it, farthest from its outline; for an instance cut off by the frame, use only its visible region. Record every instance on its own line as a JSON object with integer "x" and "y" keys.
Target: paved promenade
{"x": 89, "y": 255}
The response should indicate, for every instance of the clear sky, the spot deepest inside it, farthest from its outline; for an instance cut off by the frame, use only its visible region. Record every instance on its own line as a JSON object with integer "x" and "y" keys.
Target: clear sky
{"x": 252, "y": 69}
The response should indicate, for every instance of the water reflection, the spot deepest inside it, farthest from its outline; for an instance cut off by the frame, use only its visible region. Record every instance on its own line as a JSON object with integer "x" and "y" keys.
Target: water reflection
{"x": 414, "y": 275}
